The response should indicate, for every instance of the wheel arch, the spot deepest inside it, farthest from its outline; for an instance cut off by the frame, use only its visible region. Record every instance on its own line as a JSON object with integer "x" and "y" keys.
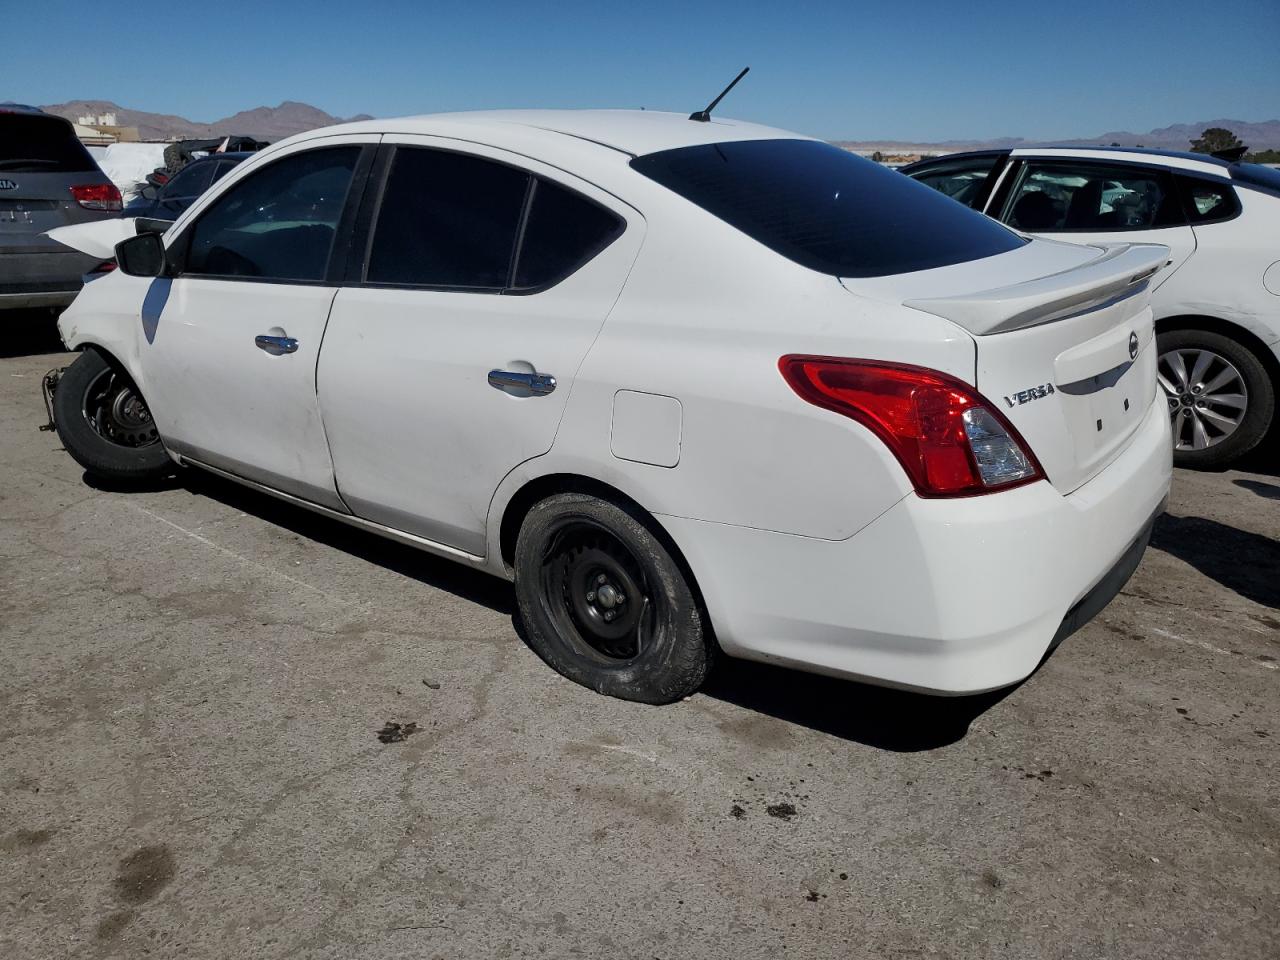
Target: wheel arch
{"x": 1227, "y": 328}
{"x": 539, "y": 488}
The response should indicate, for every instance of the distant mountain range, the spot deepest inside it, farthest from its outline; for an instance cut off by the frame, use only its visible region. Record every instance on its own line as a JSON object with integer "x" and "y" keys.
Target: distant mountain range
{"x": 290, "y": 117}
{"x": 1258, "y": 136}
{"x": 264, "y": 123}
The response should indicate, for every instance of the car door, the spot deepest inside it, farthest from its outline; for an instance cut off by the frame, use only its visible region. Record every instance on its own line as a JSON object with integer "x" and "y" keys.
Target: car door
{"x": 1092, "y": 201}
{"x": 232, "y": 339}
{"x": 453, "y": 347}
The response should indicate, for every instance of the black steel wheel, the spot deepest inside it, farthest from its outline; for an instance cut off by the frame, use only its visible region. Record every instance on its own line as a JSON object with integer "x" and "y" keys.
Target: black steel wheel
{"x": 605, "y": 603}
{"x": 104, "y": 423}
{"x": 596, "y": 591}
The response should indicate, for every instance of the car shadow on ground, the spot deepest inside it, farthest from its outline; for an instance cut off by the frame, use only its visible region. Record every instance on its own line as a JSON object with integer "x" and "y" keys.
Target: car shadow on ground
{"x": 896, "y": 720}
{"x": 1264, "y": 458}
{"x": 887, "y": 719}
{"x": 1246, "y": 563}
{"x": 472, "y": 585}
{"x": 1269, "y": 490}
{"x": 29, "y": 333}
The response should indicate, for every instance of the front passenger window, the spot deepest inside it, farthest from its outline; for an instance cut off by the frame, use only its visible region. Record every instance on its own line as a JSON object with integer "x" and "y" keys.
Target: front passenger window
{"x": 278, "y": 223}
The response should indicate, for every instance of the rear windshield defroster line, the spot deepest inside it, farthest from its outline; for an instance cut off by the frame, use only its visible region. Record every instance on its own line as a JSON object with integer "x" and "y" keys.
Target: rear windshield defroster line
{"x": 828, "y": 209}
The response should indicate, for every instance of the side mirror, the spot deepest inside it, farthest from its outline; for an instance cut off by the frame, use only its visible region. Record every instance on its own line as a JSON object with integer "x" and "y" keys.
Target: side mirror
{"x": 141, "y": 256}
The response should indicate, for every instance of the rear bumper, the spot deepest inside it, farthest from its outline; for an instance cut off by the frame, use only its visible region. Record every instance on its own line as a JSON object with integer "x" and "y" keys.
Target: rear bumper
{"x": 947, "y": 596}
{"x": 46, "y": 278}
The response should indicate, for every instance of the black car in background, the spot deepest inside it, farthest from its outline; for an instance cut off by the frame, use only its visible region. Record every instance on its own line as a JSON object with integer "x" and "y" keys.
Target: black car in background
{"x": 47, "y": 180}
{"x": 169, "y": 201}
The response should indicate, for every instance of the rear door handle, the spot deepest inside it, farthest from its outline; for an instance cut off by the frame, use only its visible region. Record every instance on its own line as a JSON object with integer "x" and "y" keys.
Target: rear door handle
{"x": 275, "y": 345}
{"x": 538, "y": 384}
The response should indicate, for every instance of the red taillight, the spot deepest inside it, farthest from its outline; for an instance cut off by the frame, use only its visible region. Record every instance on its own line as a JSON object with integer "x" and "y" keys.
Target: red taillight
{"x": 950, "y": 441}
{"x": 106, "y": 266}
{"x": 98, "y": 196}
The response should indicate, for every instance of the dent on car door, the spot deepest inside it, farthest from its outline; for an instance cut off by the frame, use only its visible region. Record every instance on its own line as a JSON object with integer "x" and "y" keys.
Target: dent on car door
{"x": 451, "y": 352}
{"x": 230, "y": 343}
{"x": 1087, "y": 201}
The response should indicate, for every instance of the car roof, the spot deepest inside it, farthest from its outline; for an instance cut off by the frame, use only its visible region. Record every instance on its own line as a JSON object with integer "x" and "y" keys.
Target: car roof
{"x": 1181, "y": 159}
{"x": 946, "y": 158}
{"x": 633, "y": 132}
{"x": 8, "y": 106}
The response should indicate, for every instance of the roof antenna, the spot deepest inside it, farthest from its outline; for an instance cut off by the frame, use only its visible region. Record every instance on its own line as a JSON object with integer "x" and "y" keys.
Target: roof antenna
{"x": 704, "y": 116}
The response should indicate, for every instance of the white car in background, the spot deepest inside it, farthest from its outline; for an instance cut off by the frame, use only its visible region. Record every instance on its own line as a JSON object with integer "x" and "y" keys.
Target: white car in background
{"x": 693, "y": 386}
{"x": 1217, "y": 306}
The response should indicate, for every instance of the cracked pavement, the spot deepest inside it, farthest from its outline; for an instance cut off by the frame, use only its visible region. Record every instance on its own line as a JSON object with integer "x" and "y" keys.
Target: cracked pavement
{"x": 192, "y": 679}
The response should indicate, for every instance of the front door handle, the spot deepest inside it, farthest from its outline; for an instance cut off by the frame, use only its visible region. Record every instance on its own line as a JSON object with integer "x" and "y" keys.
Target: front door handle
{"x": 275, "y": 345}
{"x": 538, "y": 384}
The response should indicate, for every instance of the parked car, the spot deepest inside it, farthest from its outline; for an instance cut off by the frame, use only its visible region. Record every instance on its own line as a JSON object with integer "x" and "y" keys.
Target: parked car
{"x": 1217, "y": 307}
{"x": 47, "y": 180}
{"x": 169, "y": 201}
{"x": 694, "y": 386}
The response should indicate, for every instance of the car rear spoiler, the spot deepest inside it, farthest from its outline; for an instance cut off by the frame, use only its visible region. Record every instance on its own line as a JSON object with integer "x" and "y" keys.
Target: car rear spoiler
{"x": 1122, "y": 271}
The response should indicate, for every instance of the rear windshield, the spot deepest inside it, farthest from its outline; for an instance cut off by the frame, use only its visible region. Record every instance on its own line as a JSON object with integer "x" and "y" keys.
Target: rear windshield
{"x": 826, "y": 208}
{"x": 35, "y": 144}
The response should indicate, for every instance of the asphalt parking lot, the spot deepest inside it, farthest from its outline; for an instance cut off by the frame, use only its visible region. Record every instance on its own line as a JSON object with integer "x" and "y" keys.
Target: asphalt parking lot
{"x": 192, "y": 680}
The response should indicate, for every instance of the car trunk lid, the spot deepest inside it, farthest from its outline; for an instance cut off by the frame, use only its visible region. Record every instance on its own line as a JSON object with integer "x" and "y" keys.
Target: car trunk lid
{"x": 1065, "y": 344}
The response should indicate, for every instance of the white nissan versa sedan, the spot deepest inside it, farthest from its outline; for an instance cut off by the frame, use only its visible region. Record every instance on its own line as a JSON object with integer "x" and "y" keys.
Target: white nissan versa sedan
{"x": 694, "y": 386}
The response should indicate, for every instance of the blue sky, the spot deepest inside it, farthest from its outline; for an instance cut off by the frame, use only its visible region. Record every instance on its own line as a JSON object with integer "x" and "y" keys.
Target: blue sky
{"x": 920, "y": 70}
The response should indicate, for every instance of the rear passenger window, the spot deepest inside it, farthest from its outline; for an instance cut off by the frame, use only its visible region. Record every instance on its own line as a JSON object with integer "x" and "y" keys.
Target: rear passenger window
{"x": 1206, "y": 201}
{"x": 563, "y": 231}
{"x": 1058, "y": 196}
{"x": 447, "y": 220}
{"x": 461, "y": 222}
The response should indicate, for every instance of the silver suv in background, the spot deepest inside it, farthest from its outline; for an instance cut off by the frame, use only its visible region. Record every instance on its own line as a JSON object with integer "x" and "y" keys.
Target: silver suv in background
{"x": 47, "y": 180}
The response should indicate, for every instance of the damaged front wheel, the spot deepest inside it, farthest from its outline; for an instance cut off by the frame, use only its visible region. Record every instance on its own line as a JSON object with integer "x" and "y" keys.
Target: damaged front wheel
{"x": 104, "y": 422}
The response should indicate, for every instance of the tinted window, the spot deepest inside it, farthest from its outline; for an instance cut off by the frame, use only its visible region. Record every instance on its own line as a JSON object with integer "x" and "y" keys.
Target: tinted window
{"x": 30, "y": 143}
{"x": 827, "y": 209}
{"x": 278, "y": 223}
{"x": 447, "y": 220}
{"x": 563, "y": 231}
{"x": 1205, "y": 201}
{"x": 1055, "y": 196}
{"x": 962, "y": 180}
{"x": 223, "y": 168}
{"x": 191, "y": 182}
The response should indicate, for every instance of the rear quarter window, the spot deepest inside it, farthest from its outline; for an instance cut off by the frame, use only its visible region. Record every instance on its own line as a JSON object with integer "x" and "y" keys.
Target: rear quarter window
{"x": 1207, "y": 201}
{"x": 30, "y": 143}
{"x": 827, "y": 209}
{"x": 563, "y": 231}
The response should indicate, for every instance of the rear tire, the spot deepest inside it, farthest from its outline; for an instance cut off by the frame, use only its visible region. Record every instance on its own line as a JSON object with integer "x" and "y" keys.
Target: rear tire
{"x": 604, "y": 603}
{"x": 1222, "y": 412}
{"x": 104, "y": 423}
